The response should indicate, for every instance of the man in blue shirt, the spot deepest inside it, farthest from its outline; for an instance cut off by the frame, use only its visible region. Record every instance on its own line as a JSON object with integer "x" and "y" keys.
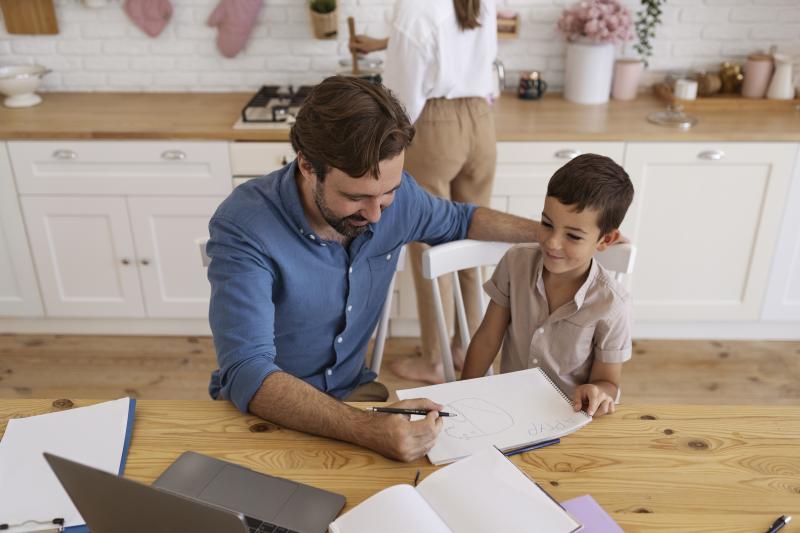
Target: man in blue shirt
{"x": 301, "y": 261}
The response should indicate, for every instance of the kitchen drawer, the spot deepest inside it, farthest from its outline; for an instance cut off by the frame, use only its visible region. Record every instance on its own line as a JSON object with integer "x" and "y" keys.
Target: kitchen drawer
{"x": 259, "y": 158}
{"x": 121, "y": 167}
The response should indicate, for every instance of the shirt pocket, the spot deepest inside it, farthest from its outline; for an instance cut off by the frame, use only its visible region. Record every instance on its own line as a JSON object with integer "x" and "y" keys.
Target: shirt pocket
{"x": 381, "y": 270}
{"x": 573, "y": 344}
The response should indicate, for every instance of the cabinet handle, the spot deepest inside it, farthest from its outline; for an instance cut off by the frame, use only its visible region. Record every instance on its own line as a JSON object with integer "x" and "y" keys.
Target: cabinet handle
{"x": 145, "y": 262}
{"x": 711, "y": 155}
{"x": 65, "y": 155}
{"x": 284, "y": 161}
{"x": 173, "y": 155}
{"x": 567, "y": 154}
{"x": 125, "y": 261}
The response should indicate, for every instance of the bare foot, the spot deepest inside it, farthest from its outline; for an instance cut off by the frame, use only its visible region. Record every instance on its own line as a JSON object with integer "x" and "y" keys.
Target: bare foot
{"x": 418, "y": 369}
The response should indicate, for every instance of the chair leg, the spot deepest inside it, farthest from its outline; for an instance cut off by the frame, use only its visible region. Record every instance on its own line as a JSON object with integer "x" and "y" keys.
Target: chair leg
{"x": 383, "y": 328}
{"x": 444, "y": 340}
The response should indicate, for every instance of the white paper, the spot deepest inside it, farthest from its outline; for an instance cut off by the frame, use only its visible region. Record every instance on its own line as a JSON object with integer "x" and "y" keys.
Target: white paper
{"x": 504, "y": 410}
{"x": 398, "y": 509}
{"x": 93, "y": 435}
{"x": 486, "y": 492}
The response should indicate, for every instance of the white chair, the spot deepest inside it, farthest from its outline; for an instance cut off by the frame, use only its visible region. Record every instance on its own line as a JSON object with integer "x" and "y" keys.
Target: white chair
{"x": 383, "y": 324}
{"x": 451, "y": 257}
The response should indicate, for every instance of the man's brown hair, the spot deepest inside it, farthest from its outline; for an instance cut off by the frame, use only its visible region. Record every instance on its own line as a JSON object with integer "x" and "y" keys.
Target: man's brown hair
{"x": 352, "y": 125}
{"x": 596, "y": 182}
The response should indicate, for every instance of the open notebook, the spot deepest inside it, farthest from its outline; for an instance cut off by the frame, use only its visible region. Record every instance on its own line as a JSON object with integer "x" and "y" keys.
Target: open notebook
{"x": 485, "y": 492}
{"x": 506, "y": 410}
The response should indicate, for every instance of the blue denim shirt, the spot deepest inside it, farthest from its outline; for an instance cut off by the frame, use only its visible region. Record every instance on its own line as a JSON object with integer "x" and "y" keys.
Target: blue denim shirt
{"x": 284, "y": 299}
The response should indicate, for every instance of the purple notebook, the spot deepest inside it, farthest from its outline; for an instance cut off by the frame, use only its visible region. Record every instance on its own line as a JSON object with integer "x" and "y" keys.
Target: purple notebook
{"x": 589, "y": 513}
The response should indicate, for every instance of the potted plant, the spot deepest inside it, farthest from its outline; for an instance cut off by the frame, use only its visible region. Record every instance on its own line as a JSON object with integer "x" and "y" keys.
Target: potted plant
{"x": 628, "y": 71}
{"x": 324, "y": 18}
{"x": 592, "y": 29}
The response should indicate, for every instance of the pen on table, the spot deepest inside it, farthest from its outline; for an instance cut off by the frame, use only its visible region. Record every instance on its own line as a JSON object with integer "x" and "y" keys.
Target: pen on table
{"x": 778, "y": 524}
{"x": 532, "y": 447}
{"x": 416, "y": 478}
{"x": 398, "y": 411}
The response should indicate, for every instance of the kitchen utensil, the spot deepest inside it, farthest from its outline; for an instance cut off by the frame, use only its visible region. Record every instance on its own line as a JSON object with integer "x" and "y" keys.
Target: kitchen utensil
{"x": 757, "y": 72}
{"x": 369, "y": 68}
{"x": 29, "y": 17}
{"x": 781, "y": 87}
{"x": 685, "y": 89}
{"x": 351, "y": 28}
{"x": 18, "y": 83}
{"x": 498, "y": 78}
{"x": 531, "y": 86}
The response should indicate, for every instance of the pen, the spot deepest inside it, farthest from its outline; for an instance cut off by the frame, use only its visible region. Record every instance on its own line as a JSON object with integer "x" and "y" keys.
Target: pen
{"x": 778, "y": 524}
{"x": 532, "y": 447}
{"x": 398, "y": 411}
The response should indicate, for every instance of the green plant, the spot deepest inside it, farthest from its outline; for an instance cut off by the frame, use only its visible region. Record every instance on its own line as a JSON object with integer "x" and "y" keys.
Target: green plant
{"x": 646, "y": 21}
{"x": 323, "y": 6}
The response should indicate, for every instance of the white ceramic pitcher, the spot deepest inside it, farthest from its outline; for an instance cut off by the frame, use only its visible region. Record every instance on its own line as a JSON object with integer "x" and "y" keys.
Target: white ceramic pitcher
{"x": 781, "y": 87}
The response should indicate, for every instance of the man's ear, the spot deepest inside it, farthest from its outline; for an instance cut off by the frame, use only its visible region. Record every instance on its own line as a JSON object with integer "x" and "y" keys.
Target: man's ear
{"x": 305, "y": 168}
{"x": 608, "y": 239}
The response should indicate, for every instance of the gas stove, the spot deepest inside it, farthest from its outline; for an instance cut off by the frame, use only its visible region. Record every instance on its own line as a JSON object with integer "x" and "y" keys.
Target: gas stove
{"x": 272, "y": 107}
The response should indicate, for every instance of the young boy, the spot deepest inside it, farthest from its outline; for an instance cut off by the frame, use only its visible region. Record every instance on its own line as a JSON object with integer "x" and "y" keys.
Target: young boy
{"x": 552, "y": 306}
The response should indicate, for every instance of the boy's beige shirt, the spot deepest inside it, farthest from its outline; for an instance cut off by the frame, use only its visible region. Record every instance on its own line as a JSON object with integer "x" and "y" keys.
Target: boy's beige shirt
{"x": 595, "y": 324}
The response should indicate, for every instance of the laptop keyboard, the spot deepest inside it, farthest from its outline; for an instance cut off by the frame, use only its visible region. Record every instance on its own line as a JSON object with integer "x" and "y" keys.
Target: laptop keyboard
{"x": 257, "y": 526}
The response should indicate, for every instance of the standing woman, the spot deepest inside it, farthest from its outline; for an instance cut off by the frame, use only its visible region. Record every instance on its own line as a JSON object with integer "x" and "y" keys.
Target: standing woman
{"x": 439, "y": 61}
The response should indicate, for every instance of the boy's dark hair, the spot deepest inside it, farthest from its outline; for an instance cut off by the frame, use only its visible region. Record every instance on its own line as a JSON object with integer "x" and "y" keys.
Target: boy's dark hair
{"x": 350, "y": 124}
{"x": 596, "y": 182}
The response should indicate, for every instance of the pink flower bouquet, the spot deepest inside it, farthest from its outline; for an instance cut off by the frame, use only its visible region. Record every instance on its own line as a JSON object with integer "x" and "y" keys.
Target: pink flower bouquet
{"x": 597, "y": 21}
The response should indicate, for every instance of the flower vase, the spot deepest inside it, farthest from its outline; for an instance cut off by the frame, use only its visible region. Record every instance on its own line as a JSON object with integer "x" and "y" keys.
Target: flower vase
{"x": 627, "y": 73}
{"x": 588, "y": 69}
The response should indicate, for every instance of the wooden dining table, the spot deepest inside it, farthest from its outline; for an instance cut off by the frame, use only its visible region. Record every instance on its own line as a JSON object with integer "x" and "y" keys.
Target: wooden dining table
{"x": 660, "y": 468}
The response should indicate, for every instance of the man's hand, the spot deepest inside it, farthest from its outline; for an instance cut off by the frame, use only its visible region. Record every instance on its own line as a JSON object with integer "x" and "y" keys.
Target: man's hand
{"x": 397, "y": 437}
{"x": 595, "y": 399}
{"x": 364, "y": 44}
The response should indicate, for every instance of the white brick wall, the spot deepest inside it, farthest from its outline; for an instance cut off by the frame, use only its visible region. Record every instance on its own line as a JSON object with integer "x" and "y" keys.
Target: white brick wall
{"x": 100, "y": 49}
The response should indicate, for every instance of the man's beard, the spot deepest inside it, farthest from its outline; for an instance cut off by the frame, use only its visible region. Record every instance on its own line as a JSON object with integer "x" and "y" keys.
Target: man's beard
{"x": 341, "y": 225}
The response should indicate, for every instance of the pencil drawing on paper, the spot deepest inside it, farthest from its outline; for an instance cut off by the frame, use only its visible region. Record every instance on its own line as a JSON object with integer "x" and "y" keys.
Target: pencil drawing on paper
{"x": 541, "y": 429}
{"x": 476, "y": 418}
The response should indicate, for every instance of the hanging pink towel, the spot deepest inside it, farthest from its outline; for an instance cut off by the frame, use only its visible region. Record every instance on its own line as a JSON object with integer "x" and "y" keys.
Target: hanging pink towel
{"x": 234, "y": 20}
{"x": 150, "y": 15}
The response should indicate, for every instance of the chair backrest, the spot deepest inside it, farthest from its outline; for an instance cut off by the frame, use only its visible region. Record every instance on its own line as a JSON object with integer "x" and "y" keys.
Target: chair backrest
{"x": 451, "y": 257}
{"x": 201, "y": 243}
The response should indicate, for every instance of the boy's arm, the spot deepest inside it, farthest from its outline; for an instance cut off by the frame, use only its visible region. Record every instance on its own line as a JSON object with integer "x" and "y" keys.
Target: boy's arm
{"x": 487, "y": 340}
{"x": 599, "y": 394}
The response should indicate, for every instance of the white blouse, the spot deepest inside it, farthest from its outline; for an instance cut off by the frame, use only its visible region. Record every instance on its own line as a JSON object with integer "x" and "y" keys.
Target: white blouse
{"x": 429, "y": 56}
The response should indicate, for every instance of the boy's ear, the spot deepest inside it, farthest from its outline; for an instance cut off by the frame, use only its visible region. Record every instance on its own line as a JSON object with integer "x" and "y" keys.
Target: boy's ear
{"x": 608, "y": 239}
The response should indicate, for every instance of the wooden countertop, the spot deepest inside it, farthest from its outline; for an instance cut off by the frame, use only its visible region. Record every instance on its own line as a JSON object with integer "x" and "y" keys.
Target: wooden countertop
{"x": 654, "y": 468}
{"x": 210, "y": 116}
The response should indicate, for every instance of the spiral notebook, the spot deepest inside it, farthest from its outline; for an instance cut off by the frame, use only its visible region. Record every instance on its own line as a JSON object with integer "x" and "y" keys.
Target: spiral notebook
{"x": 508, "y": 411}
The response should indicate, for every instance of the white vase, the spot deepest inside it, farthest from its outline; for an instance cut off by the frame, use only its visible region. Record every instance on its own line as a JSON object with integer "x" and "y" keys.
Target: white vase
{"x": 587, "y": 79}
{"x": 781, "y": 87}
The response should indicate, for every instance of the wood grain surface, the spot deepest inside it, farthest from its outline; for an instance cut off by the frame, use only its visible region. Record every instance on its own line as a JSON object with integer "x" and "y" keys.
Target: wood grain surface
{"x": 211, "y": 116}
{"x": 660, "y": 468}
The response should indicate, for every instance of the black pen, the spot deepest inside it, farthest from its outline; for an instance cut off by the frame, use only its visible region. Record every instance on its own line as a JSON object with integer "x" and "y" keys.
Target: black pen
{"x": 532, "y": 447}
{"x": 778, "y": 524}
{"x": 398, "y": 411}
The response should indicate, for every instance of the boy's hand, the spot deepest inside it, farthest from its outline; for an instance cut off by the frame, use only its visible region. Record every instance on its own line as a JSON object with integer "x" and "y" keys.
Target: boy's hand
{"x": 596, "y": 400}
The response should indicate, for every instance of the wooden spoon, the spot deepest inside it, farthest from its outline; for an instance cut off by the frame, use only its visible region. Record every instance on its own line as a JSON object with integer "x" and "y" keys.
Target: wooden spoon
{"x": 351, "y": 26}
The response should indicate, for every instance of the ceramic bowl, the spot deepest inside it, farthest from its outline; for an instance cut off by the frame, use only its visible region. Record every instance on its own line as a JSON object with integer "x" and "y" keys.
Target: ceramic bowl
{"x": 19, "y": 83}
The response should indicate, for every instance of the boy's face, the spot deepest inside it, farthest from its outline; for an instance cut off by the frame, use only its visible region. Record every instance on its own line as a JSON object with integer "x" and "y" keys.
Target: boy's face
{"x": 571, "y": 238}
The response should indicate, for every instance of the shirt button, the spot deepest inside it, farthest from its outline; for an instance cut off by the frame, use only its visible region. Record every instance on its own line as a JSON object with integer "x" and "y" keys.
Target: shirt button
{"x": 535, "y": 361}
{"x": 311, "y": 237}
{"x": 323, "y": 244}
{"x": 339, "y": 340}
{"x": 329, "y": 372}
{"x": 388, "y": 257}
{"x": 351, "y": 270}
{"x": 349, "y": 308}
{"x": 300, "y": 230}
{"x": 540, "y": 331}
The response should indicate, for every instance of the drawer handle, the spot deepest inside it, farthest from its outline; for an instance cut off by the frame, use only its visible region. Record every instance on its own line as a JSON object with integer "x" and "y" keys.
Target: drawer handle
{"x": 711, "y": 155}
{"x": 284, "y": 161}
{"x": 173, "y": 155}
{"x": 145, "y": 262}
{"x": 568, "y": 154}
{"x": 125, "y": 261}
{"x": 65, "y": 155}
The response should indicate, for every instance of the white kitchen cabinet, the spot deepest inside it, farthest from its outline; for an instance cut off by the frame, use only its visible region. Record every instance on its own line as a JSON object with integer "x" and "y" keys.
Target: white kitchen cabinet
{"x": 84, "y": 255}
{"x": 174, "y": 281}
{"x": 705, "y": 219}
{"x": 19, "y": 291}
{"x": 782, "y": 301}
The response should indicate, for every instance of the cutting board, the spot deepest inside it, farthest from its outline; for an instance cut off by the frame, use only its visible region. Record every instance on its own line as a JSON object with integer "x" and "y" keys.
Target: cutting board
{"x": 29, "y": 17}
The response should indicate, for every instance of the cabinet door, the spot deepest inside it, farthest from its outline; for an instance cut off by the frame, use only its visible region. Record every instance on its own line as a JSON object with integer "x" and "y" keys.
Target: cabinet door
{"x": 84, "y": 256}
{"x": 705, "y": 218}
{"x": 19, "y": 292}
{"x": 783, "y": 293}
{"x": 174, "y": 280}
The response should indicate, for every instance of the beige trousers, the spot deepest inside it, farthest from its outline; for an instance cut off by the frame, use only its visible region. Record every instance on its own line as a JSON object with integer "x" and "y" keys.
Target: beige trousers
{"x": 453, "y": 155}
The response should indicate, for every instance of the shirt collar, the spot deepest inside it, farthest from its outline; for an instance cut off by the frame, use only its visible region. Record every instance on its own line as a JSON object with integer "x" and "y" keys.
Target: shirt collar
{"x": 580, "y": 295}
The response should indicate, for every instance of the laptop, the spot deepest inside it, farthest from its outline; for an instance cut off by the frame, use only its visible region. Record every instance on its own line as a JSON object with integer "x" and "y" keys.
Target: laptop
{"x": 113, "y": 504}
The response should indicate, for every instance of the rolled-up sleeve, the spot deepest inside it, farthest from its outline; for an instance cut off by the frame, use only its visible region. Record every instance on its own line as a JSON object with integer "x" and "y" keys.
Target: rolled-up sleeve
{"x": 498, "y": 287}
{"x": 612, "y": 336}
{"x": 241, "y": 313}
{"x": 435, "y": 220}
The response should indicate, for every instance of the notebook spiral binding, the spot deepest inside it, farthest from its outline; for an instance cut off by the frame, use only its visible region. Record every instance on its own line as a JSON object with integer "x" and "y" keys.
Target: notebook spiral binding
{"x": 561, "y": 392}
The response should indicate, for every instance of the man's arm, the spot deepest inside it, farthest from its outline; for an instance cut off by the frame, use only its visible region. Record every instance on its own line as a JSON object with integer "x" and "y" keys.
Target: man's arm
{"x": 490, "y": 225}
{"x": 293, "y": 403}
